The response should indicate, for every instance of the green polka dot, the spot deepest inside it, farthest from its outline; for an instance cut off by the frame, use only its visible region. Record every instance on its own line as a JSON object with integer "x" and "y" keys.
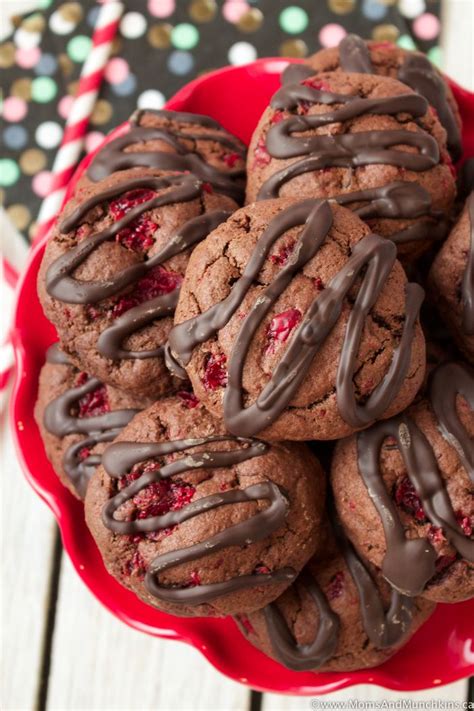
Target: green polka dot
{"x": 9, "y": 172}
{"x": 435, "y": 55}
{"x": 293, "y": 19}
{"x": 43, "y": 4}
{"x": 406, "y": 42}
{"x": 184, "y": 36}
{"x": 79, "y": 47}
{"x": 43, "y": 89}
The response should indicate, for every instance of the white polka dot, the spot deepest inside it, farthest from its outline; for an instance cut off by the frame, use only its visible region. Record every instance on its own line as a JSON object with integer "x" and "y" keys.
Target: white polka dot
{"x": 242, "y": 53}
{"x": 133, "y": 25}
{"x": 59, "y": 25}
{"x": 48, "y": 134}
{"x": 151, "y": 99}
{"x": 26, "y": 40}
{"x": 411, "y": 8}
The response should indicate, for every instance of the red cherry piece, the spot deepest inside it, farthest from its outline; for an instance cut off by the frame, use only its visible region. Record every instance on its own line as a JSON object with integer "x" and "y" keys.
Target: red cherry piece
{"x": 188, "y": 399}
{"x": 230, "y": 159}
{"x": 282, "y": 256}
{"x": 138, "y": 235}
{"x": 407, "y": 498}
{"x": 262, "y": 157}
{"x": 281, "y": 326}
{"x": 94, "y": 403}
{"x": 336, "y": 586}
{"x": 215, "y": 373}
{"x": 158, "y": 282}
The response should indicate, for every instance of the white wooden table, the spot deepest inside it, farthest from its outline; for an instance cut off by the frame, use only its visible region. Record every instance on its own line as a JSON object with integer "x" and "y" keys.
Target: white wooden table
{"x": 60, "y": 649}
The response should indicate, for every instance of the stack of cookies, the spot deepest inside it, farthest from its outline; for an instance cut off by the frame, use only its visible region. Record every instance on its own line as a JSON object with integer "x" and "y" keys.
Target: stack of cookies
{"x": 269, "y": 409}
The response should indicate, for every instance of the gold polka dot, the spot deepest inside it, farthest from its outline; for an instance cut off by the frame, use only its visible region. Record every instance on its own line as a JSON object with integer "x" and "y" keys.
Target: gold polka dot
{"x": 66, "y": 65}
{"x": 7, "y": 55}
{"x": 72, "y": 88}
{"x": 341, "y": 7}
{"x": 388, "y": 2}
{"x": 159, "y": 36}
{"x": 293, "y": 48}
{"x": 383, "y": 33}
{"x": 19, "y": 215}
{"x": 32, "y": 230}
{"x": 22, "y": 88}
{"x": 117, "y": 45}
{"x": 32, "y": 161}
{"x": 102, "y": 112}
{"x": 71, "y": 12}
{"x": 33, "y": 23}
{"x": 203, "y": 10}
{"x": 16, "y": 20}
{"x": 251, "y": 20}
{"x": 2, "y": 196}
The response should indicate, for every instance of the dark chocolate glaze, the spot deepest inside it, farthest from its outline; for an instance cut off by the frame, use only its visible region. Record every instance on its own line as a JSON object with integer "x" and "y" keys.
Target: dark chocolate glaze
{"x": 447, "y": 382}
{"x": 409, "y": 564}
{"x": 384, "y": 629}
{"x": 419, "y": 74}
{"x": 114, "y": 157}
{"x": 122, "y": 456}
{"x": 354, "y": 55}
{"x": 62, "y": 285}
{"x": 372, "y": 259}
{"x": 399, "y": 200}
{"x": 467, "y": 288}
{"x": 58, "y": 420}
{"x": 347, "y": 149}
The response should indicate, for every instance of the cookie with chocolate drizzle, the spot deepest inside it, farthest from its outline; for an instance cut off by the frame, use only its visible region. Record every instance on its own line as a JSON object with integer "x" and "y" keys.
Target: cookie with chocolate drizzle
{"x": 412, "y": 68}
{"x": 404, "y": 490}
{"x": 179, "y": 142}
{"x": 294, "y": 322}
{"x": 339, "y": 615}
{"x": 451, "y": 281}
{"x": 198, "y": 522}
{"x": 78, "y": 416}
{"x": 367, "y": 141}
{"x": 111, "y": 272}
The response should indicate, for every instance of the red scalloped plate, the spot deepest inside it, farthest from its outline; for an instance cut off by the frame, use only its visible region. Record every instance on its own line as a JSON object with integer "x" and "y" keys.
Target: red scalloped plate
{"x": 441, "y": 652}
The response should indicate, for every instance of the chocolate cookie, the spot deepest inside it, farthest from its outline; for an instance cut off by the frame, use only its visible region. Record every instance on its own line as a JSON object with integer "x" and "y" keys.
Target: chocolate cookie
{"x": 111, "y": 272}
{"x": 367, "y": 141}
{"x": 294, "y": 322}
{"x": 197, "y": 522}
{"x": 404, "y": 491}
{"x": 339, "y": 615}
{"x": 78, "y": 416}
{"x": 179, "y": 142}
{"x": 412, "y": 68}
{"x": 451, "y": 280}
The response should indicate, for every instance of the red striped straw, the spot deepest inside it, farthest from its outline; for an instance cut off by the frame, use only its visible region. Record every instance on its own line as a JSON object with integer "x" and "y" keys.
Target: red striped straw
{"x": 72, "y": 143}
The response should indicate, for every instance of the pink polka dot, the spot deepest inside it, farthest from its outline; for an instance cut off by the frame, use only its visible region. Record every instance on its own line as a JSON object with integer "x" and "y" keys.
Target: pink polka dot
{"x": 14, "y": 108}
{"x": 330, "y": 35}
{"x": 161, "y": 8}
{"x": 116, "y": 70}
{"x": 426, "y": 26}
{"x": 65, "y": 106}
{"x": 42, "y": 183}
{"x": 27, "y": 58}
{"x": 234, "y": 9}
{"x": 92, "y": 140}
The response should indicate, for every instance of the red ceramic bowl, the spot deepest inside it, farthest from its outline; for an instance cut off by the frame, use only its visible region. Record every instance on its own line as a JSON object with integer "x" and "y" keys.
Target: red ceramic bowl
{"x": 441, "y": 652}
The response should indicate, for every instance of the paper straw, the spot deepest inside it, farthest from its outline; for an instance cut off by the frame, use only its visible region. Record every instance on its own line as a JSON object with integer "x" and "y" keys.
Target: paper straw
{"x": 72, "y": 143}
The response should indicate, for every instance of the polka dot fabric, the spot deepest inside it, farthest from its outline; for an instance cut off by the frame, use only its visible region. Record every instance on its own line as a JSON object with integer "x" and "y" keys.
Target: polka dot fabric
{"x": 42, "y": 59}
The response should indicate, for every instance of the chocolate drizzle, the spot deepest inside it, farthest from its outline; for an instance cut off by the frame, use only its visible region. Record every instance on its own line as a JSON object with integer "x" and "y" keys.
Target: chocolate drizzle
{"x": 419, "y": 74}
{"x": 409, "y": 564}
{"x": 447, "y": 382}
{"x": 354, "y": 55}
{"x": 371, "y": 261}
{"x": 384, "y": 629}
{"x": 122, "y": 456}
{"x": 62, "y": 285}
{"x": 114, "y": 156}
{"x": 399, "y": 200}
{"x": 468, "y": 278}
{"x": 345, "y": 150}
{"x": 58, "y": 420}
